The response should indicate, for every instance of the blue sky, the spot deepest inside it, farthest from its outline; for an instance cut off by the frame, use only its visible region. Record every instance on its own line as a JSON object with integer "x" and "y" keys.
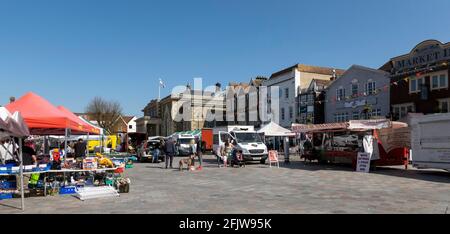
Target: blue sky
{"x": 71, "y": 51}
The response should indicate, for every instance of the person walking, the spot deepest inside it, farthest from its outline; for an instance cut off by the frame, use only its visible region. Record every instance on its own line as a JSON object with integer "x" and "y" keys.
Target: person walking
{"x": 170, "y": 151}
{"x": 199, "y": 154}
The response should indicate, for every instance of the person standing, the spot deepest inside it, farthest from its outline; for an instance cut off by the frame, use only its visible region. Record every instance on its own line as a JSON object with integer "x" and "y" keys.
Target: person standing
{"x": 226, "y": 151}
{"x": 156, "y": 153}
{"x": 80, "y": 149}
{"x": 199, "y": 154}
{"x": 170, "y": 150}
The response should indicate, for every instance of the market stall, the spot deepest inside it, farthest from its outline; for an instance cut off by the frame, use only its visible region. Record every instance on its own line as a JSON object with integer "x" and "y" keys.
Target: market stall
{"x": 64, "y": 175}
{"x": 341, "y": 142}
{"x": 275, "y": 137}
{"x": 12, "y": 126}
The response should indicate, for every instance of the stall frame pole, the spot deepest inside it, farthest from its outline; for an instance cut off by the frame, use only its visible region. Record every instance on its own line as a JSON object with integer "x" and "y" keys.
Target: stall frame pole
{"x": 22, "y": 193}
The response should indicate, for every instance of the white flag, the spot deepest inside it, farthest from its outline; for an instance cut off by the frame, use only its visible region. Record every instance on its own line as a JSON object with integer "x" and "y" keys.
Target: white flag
{"x": 161, "y": 84}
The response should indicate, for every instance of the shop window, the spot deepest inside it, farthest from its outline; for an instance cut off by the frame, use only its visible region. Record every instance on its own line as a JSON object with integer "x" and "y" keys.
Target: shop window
{"x": 376, "y": 113}
{"x": 444, "y": 105}
{"x": 401, "y": 111}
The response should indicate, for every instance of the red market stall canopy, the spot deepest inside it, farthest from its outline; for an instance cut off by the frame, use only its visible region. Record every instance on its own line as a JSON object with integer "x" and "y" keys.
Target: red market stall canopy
{"x": 42, "y": 117}
{"x": 303, "y": 128}
{"x": 81, "y": 124}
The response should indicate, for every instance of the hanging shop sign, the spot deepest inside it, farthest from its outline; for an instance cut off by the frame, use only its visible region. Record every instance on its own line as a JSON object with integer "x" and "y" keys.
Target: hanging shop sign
{"x": 355, "y": 104}
{"x": 370, "y": 124}
{"x": 427, "y": 52}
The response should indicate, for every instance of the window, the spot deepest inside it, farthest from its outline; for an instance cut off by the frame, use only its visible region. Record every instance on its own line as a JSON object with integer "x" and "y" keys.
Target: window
{"x": 370, "y": 88}
{"x": 340, "y": 94}
{"x": 291, "y": 112}
{"x": 402, "y": 110}
{"x": 376, "y": 113}
{"x": 341, "y": 117}
{"x": 354, "y": 90}
{"x": 281, "y": 93}
{"x": 415, "y": 84}
{"x": 355, "y": 115}
{"x": 311, "y": 99}
{"x": 282, "y": 114}
{"x": 444, "y": 105}
{"x": 439, "y": 81}
{"x": 130, "y": 126}
{"x": 286, "y": 92}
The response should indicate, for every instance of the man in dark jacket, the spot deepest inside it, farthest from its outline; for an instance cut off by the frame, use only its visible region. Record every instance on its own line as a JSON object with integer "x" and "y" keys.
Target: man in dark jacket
{"x": 80, "y": 149}
{"x": 170, "y": 150}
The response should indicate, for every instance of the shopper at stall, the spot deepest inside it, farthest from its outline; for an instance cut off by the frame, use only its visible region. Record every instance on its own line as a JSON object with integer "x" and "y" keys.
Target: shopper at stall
{"x": 8, "y": 150}
{"x": 80, "y": 149}
{"x": 28, "y": 154}
{"x": 170, "y": 151}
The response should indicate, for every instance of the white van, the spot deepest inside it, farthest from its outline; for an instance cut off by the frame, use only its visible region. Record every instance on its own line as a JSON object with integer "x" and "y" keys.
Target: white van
{"x": 184, "y": 143}
{"x": 245, "y": 139}
{"x": 430, "y": 141}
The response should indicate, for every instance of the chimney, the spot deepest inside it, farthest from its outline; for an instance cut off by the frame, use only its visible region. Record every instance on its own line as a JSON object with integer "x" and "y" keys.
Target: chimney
{"x": 218, "y": 87}
{"x": 12, "y": 99}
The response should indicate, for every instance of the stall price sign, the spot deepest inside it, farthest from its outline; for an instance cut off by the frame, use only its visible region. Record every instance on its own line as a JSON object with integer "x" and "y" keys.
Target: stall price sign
{"x": 363, "y": 164}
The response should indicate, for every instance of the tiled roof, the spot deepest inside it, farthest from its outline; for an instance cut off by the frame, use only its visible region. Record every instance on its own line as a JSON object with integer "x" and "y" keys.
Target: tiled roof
{"x": 310, "y": 69}
{"x": 127, "y": 119}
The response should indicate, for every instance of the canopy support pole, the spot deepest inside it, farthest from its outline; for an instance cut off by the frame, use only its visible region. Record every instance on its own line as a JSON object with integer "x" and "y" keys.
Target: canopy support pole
{"x": 22, "y": 193}
{"x": 87, "y": 144}
{"x": 65, "y": 143}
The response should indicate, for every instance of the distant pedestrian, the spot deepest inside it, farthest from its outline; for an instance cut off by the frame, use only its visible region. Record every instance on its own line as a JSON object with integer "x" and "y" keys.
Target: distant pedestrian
{"x": 199, "y": 154}
{"x": 170, "y": 151}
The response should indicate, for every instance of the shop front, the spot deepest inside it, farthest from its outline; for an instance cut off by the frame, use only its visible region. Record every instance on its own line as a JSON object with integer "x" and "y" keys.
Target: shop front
{"x": 419, "y": 80}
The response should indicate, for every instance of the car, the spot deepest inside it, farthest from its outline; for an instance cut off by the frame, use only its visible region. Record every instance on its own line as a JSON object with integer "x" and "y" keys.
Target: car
{"x": 149, "y": 151}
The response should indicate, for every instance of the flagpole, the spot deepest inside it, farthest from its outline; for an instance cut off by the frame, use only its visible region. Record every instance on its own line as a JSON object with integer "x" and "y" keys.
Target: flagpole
{"x": 159, "y": 90}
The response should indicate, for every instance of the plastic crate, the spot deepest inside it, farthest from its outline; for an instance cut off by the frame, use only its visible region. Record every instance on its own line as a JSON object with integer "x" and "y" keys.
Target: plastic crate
{"x": 5, "y": 196}
{"x": 8, "y": 185}
{"x": 67, "y": 190}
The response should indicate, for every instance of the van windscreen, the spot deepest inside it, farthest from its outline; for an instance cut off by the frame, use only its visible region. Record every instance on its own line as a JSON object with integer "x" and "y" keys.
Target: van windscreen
{"x": 248, "y": 137}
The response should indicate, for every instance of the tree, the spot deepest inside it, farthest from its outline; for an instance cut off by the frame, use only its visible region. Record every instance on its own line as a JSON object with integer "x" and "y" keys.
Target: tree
{"x": 106, "y": 113}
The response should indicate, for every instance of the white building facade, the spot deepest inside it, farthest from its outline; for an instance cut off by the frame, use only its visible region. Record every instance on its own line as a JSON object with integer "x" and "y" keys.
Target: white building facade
{"x": 289, "y": 83}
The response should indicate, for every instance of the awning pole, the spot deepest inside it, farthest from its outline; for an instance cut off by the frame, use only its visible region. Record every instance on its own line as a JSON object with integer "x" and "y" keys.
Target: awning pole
{"x": 65, "y": 144}
{"x": 87, "y": 144}
{"x": 22, "y": 193}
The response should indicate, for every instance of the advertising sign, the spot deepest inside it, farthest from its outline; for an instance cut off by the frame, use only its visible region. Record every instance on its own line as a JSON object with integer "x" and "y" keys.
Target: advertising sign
{"x": 363, "y": 164}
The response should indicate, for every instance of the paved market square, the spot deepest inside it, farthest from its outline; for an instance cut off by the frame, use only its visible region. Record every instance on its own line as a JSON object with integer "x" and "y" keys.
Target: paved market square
{"x": 295, "y": 189}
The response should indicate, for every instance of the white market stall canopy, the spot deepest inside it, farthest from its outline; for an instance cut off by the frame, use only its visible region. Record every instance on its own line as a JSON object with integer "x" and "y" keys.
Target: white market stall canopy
{"x": 274, "y": 130}
{"x": 12, "y": 125}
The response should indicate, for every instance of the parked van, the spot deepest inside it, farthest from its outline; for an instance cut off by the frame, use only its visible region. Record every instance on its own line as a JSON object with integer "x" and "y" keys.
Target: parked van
{"x": 184, "y": 143}
{"x": 430, "y": 141}
{"x": 245, "y": 139}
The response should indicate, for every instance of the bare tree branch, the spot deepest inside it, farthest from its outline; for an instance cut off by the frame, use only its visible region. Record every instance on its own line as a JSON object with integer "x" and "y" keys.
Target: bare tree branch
{"x": 106, "y": 113}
